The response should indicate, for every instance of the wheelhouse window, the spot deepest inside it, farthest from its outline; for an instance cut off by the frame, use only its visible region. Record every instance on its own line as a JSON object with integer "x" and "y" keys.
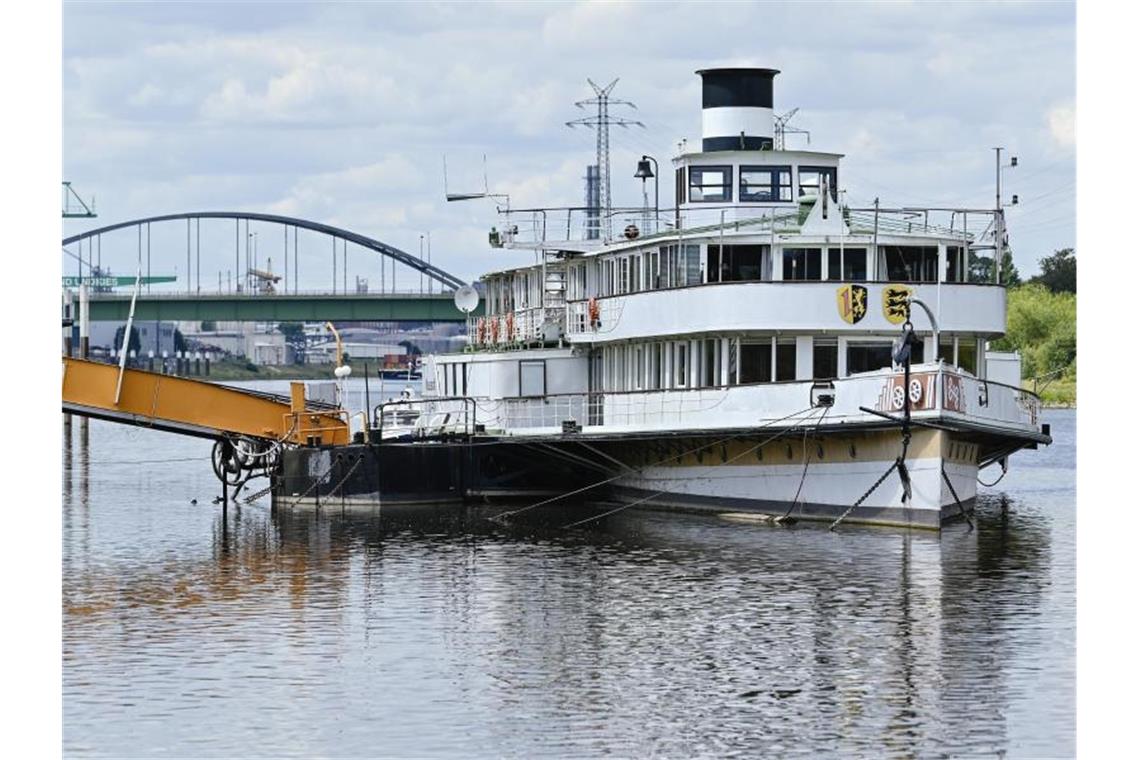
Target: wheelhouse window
{"x": 910, "y": 263}
{"x": 849, "y": 264}
{"x": 765, "y": 184}
{"x": 802, "y": 263}
{"x": 738, "y": 263}
{"x": 709, "y": 184}
{"x": 810, "y": 177}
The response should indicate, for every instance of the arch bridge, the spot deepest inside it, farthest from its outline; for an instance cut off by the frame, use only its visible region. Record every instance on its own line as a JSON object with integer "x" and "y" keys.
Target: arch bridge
{"x": 253, "y": 291}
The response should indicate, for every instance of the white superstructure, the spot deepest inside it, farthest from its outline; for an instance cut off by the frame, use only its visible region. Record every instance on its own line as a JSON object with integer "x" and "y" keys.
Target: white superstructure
{"x": 761, "y": 305}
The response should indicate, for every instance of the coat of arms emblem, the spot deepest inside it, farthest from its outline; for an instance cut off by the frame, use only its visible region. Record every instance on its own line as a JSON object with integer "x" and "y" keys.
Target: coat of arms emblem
{"x": 895, "y": 298}
{"x": 852, "y": 302}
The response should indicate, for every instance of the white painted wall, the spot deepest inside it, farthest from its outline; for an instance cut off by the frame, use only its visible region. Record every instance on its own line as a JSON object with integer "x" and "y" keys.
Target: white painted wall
{"x": 794, "y": 307}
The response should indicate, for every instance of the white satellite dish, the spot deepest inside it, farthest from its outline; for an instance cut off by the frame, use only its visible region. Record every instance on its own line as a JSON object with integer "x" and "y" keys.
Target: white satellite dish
{"x": 466, "y": 299}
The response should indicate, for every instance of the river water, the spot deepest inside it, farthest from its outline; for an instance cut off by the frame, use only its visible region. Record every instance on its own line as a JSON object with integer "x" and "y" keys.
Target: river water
{"x": 434, "y": 632}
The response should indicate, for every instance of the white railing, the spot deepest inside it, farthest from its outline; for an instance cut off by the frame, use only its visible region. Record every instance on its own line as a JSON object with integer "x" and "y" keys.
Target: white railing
{"x": 520, "y": 326}
{"x": 746, "y": 406}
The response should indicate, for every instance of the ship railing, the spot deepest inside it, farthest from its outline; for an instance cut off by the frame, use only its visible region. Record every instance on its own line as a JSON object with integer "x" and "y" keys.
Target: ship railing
{"x": 548, "y": 228}
{"x": 425, "y": 417}
{"x": 594, "y": 316}
{"x": 939, "y": 390}
{"x": 522, "y": 327}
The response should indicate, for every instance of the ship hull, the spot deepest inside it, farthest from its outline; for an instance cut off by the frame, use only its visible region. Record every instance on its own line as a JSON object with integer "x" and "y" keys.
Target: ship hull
{"x": 817, "y": 477}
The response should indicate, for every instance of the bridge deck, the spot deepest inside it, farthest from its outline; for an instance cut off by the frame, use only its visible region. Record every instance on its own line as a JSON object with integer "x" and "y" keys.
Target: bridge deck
{"x": 310, "y": 307}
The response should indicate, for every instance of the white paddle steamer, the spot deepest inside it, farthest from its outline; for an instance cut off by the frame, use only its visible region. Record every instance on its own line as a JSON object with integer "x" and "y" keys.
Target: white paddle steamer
{"x": 739, "y": 352}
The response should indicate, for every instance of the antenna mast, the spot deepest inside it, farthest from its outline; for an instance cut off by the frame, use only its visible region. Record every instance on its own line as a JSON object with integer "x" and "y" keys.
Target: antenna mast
{"x": 781, "y": 128}
{"x": 601, "y": 123}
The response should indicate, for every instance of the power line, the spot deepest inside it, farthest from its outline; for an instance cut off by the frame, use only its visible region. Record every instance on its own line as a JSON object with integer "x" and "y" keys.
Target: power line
{"x": 601, "y": 125}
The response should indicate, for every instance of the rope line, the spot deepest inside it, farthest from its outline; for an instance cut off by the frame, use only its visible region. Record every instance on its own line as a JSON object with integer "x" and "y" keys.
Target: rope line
{"x": 675, "y": 457}
{"x": 956, "y": 499}
{"x": 864, "y": 497}
{"x": 807, "y": 461}
{"x": 732, "y": 459}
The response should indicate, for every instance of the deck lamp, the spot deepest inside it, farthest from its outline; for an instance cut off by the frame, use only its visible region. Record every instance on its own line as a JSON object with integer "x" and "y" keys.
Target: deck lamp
{"x": 644, "y": 172}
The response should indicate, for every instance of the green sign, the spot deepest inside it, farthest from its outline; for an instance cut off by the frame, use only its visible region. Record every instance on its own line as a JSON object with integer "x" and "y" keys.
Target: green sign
{"x": 112, "y": 282}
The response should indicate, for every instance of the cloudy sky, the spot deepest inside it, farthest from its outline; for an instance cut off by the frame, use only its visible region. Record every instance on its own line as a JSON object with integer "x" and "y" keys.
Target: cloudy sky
{"x": 342, "y": 113}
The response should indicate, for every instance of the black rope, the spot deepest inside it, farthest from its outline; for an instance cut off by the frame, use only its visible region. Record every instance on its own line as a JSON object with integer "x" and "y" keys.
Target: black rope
{"x": 807, "y": 461}
{"x": 892, "y": 468}
{"x": 658, "y": 493}
{"x": 957, "y": 501}
{"x": 503, "y": 515}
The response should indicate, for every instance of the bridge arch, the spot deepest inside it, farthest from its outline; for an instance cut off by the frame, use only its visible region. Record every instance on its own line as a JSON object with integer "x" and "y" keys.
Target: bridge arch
{"x": 415, "y": 262}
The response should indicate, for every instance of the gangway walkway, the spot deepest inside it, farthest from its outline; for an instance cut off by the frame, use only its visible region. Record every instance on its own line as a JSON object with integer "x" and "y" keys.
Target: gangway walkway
{"x": 198, "y": 408}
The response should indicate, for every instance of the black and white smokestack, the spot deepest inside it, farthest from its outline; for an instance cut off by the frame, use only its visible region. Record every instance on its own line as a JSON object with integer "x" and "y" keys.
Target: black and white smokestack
{"x": 736, "y": 109}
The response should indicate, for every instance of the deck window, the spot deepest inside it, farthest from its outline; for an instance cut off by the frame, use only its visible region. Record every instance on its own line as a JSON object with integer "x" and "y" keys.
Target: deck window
{"x": 737, "y": 263}
{"x": 785, "y": 360}
{"x": 910, "y": 263}
{"x": 848, "y": 264}
{"x": 802, "y": 263}
{"x": 955, "y": 264}
{"x": 765, "y": 184}
{"x": 865, "y": 356}
{"x": 968, "y": 355}
{"x": 708, "y": 184}
{"x": 825, "y": 358}
{"x": 681, "y": 366}
{"x": 756, "y": 362}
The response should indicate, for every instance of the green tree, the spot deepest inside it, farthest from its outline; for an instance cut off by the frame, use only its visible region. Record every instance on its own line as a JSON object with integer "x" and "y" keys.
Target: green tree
{"x": 294, "y": 333}
{"x": 135, "y": 343}
{"x": 982, "y": 269}
{"x": 1059, "y": 271}
{"x": 1042, "y": 325}
{"x": 413, "y": 349}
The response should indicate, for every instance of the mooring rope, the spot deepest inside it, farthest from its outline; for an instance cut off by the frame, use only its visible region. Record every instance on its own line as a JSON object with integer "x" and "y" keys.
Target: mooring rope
{"x": 956, "y": 499}
{"x": 503, "y": 515}
{"x": 864, "y": 497}
{"x": 732, "y": 459}
{"x": 807, "y": 461}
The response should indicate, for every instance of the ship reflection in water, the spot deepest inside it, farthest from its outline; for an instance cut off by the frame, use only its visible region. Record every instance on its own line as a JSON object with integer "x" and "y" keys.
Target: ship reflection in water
{"x": 437, "y": 631}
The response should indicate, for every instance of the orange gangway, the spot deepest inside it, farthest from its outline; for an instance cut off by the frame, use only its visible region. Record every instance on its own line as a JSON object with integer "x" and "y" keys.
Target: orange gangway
{"x": 196, "y": 407}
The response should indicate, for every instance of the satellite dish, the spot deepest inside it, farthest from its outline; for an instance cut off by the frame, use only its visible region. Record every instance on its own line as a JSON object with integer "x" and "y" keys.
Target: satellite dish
{"x": 466, "y": 299}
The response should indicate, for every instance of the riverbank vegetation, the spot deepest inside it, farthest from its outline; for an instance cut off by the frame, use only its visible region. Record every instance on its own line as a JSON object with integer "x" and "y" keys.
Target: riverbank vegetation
{"x": 1042, "y": 326}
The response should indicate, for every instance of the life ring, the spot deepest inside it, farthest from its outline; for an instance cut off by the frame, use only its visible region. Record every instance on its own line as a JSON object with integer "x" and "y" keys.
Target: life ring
{"x": 595, "y": 313}
{"x": 510, "y": 331}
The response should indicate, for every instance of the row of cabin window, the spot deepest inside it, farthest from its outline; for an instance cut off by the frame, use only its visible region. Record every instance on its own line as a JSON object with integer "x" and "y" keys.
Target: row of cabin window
{"x": 713, "y": 362}
{"x": 755, "y": 184}
{"x": 677, "y": 266}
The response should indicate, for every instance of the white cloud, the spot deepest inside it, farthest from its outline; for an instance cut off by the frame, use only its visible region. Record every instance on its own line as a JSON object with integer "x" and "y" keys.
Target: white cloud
{"x": 1062, "y": 120}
